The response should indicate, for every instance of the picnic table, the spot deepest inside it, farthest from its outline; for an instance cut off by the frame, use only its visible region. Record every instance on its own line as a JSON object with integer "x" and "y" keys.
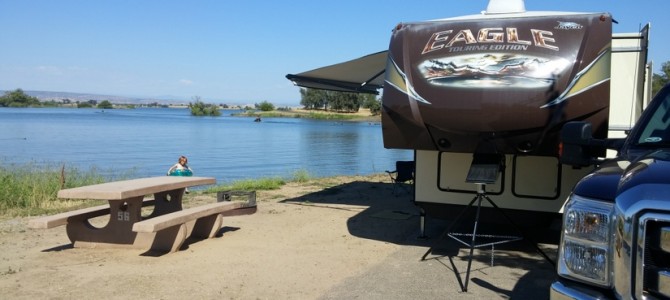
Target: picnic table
{"x": 165, "y": 229}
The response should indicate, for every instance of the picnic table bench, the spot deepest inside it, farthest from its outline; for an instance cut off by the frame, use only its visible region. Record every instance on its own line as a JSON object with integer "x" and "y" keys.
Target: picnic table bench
{"x": 164, "y": 230}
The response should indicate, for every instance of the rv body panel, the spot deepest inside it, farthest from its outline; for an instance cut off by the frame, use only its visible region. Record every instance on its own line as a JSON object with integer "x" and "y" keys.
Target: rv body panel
{"x": 629, "y": 85}
{"x": 539, "y": 183}
{"x": 531, "y": 183}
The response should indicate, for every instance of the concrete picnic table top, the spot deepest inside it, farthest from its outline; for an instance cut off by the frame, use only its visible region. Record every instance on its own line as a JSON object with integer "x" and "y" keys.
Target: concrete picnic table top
{"x": 124, "y": 189}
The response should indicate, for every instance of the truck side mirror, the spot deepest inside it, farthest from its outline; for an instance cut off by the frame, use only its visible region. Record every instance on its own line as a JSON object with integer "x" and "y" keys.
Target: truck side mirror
{"x": 576, "y": 137}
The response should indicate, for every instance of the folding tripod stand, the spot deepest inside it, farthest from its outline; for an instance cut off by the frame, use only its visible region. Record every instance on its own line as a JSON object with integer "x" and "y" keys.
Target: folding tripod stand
{"x": 480, "y": 174}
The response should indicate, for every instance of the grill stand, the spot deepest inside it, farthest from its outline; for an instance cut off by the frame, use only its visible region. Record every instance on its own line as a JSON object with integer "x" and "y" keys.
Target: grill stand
{"x": 481, "y": 195}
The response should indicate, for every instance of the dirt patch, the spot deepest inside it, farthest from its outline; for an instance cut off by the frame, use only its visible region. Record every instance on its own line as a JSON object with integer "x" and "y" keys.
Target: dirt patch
{"x": 301, "y": 242}
{"x": 332, "y": 238}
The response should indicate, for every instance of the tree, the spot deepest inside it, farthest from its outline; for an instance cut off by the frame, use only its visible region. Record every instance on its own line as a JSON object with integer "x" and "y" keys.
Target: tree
{"x": 372, "y": 103}
{"x": 332, "y": 100}
{"x": 313, "y": 98}
{"x": 199, "y": 108}
{"x": 344, "y": 102}
{"x": 105, "y": 105}
{"x": 18, "y": 98}
{"x": 660, "y": 80}
{"x": 265, "y": 106}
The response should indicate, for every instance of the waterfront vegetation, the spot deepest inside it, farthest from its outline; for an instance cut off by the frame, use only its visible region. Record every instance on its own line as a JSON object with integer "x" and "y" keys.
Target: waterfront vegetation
{"x": 317, "y": 104}
{"x": 317, "y": 115}
{"x": 32, "y": 189}
{"x": 18, "y": 98}
{"x": 338, "y": 101}
{"x": 199, "y": 108}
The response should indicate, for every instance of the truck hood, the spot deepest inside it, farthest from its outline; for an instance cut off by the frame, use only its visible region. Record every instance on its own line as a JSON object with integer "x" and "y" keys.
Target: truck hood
{"x": 617, "y": 176}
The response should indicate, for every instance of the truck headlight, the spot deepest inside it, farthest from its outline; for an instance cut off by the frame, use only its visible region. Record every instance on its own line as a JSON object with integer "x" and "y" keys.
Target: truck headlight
{"x": 586, "y": 241}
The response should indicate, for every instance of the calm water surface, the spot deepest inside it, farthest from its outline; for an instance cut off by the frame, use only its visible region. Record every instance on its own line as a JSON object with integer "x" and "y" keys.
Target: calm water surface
{"x": 147, "y": 141}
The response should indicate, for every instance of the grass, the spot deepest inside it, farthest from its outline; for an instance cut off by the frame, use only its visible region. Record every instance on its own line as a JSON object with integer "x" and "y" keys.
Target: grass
{"x": 269, "y": 183}
{"x": 249, "y": 185}
{"x": 32, "y": 189}
{"x": 301, "y": 176}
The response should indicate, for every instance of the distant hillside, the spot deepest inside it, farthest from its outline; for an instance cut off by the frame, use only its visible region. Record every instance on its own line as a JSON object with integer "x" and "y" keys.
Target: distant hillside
{"x": 82, "y": 97}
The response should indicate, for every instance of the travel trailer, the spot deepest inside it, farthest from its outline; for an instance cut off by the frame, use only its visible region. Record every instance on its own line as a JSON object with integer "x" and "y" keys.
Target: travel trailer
{"x": 499, "y": 84}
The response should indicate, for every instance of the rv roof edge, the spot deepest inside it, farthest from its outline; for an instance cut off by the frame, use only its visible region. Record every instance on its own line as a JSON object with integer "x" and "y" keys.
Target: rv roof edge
{"x": 505, "y": 7}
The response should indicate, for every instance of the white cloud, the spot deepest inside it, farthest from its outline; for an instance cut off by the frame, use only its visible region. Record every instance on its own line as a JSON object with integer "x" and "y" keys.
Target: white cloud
{"x": 185, "y": 82}
{"x": 49, "y": 70}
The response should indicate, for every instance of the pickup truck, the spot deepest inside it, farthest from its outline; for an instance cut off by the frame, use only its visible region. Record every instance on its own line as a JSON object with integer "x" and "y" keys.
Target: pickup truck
{"x": 615, "y": 239}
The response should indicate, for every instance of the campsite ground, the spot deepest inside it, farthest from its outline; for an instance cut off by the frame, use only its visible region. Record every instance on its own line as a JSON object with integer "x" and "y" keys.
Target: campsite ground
{"x": 333, "y": 238}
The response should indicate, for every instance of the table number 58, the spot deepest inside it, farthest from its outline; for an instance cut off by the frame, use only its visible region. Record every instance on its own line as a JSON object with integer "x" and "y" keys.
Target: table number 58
{"x": 123, "y": 216}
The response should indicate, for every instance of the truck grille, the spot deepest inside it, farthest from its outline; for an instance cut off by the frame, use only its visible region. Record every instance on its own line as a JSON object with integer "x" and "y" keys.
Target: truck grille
{"x": 656, "y": 257}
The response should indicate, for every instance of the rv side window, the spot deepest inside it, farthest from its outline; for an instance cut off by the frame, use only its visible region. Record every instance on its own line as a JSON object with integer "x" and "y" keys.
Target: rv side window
{"x": 657, "y": 129}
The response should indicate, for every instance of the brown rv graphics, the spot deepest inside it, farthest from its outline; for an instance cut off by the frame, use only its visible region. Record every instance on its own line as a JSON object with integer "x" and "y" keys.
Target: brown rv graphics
{"x": 453, "y": 85}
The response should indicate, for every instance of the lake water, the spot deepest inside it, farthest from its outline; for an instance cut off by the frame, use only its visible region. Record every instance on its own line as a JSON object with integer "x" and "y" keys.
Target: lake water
{"x": 147, "y": 141}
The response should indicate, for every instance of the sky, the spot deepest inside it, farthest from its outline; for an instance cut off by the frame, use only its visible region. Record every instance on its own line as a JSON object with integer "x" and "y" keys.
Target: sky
{"x": 233, "y": 52}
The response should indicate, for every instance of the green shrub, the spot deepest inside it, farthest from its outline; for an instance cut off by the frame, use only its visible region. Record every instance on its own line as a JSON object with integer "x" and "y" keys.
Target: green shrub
{"x": 17, "y": 98}
{"x": 105, "y": 104}
{"x": 199, "y": 108}
{"x": 265, "y": 106}
{"x": 301, "y": 176}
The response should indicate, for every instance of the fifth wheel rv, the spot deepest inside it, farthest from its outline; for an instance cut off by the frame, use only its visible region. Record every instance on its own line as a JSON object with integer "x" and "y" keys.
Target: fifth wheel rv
{"x": 501, "y": 82}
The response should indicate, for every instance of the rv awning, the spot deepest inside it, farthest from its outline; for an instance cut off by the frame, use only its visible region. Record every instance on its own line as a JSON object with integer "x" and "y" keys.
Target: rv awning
{"x": 361, "y": 75}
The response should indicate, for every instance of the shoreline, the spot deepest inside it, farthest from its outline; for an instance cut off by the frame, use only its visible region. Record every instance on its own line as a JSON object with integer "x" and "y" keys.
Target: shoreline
{"x": 363, "y": 115}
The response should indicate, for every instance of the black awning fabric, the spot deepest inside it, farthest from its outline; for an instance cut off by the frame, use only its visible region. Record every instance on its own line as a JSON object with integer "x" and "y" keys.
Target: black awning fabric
{"x": 361, "y": 75}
